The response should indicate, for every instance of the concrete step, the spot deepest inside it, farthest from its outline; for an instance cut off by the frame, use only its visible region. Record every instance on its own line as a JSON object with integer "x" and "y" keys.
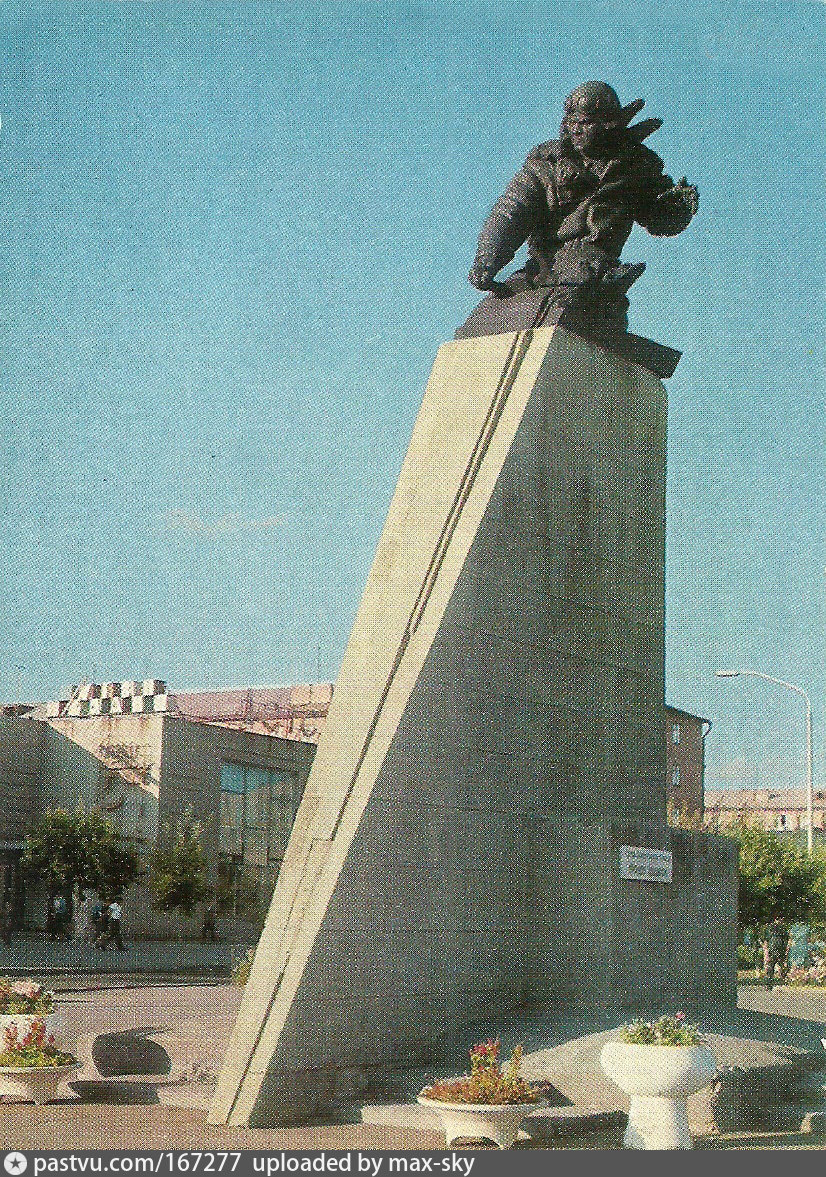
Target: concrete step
{"x": 814, "y": 1083}
{"x": 754, "y": 1074}
{"x": 556, "y": 1123}
{"x": 803, "y": 1110}
{"x": 400, "y": 1115}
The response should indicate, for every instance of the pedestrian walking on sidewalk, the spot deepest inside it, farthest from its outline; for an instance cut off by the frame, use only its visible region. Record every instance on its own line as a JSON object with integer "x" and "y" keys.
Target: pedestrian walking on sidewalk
{"x": 83, "y": 916}
{"x": 114, "y": 914}
{"x": 60, "y": 916}
{"x": 777, "y": 941}
{"x": 7, "y": 920}
{"x": 97, "y": 932}
{"x": 208, "y": 926}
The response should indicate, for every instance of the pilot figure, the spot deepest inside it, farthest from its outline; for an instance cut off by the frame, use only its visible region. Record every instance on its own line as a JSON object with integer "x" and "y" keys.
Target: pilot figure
{"x": 575, "y": 202}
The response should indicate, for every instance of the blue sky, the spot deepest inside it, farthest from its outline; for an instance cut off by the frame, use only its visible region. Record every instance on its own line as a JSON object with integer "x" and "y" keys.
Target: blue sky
{"x": 234, "y": 235}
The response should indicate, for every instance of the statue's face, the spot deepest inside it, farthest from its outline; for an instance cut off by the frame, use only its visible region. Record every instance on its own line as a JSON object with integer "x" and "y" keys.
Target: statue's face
{"x": 587, "y": 130}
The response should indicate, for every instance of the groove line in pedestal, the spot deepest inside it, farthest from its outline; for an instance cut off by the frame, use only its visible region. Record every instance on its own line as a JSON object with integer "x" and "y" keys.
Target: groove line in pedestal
{"x": 312, "y": 864}
{"x": 516, "y": 354}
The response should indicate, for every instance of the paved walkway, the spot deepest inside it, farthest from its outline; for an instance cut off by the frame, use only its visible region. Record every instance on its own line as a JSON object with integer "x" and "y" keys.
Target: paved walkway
{"x": 786, "y": 1001}
{"x": 72, "y": 1126}
{"x": 38, "y": 955}
{"x": 137, "y": 1041}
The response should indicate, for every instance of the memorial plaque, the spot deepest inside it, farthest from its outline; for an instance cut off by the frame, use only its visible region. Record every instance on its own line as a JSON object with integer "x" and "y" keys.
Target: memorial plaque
{"x": 645, "y": 864}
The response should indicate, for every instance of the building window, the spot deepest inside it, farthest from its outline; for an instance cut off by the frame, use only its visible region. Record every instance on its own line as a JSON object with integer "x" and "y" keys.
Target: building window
{"x": 258, "y": 808}
{"x": 675, "y": 733}
{"x": 781, "y": 821}
{"x": 675, "y": 777}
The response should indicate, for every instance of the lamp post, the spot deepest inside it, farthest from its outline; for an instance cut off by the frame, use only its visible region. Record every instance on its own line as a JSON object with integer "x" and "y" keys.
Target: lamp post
{"x": 790, "y": 686}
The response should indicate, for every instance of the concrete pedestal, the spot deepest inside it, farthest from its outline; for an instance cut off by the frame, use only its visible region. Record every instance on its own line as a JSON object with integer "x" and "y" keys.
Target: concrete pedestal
{"x": 495, "y": 734}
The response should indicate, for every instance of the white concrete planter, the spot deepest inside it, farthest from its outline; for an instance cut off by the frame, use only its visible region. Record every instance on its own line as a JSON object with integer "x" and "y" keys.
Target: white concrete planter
{"x": 39, "y": 1084}
{"x": 498, "y": 1122}
{"x": 24, "y": 1023}
{"x": 658, "y": 1079}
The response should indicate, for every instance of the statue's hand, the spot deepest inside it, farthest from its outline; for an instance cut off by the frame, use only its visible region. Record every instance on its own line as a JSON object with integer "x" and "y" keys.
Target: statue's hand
{"x": 482, "y": 277}
{"x": 682, "y": 196}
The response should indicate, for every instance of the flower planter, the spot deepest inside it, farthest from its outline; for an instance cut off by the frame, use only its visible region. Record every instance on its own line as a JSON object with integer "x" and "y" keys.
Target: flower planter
{"x": 498, "y": 1122}
{"x": 658, "y": 1079}
{"x": 39, "y": 1084}
{"x": 24, "y": 1024}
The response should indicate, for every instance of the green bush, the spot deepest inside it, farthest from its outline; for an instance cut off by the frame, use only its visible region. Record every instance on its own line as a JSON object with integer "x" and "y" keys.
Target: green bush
{"x": 241, "y": 967}
{"x": 178, "y": 870}
{"x": 747, "y": 957}
{"x": 68, "y": 850}
{"x": 777, "y": 877}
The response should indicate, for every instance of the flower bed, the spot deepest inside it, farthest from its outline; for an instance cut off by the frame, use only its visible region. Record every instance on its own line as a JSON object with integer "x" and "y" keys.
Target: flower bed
{"x": 669, "y": 1030}
{"x": 487, "y": 1083}
{"x": 34, "y": 1048}
{"x": 814, "y": 974}
{"x": 488, "y": 1104}
{"x": 24, "y": 997}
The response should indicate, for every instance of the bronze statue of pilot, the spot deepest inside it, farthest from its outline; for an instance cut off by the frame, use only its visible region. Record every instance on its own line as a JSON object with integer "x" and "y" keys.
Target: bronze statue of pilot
{"x": 575, "y": 202}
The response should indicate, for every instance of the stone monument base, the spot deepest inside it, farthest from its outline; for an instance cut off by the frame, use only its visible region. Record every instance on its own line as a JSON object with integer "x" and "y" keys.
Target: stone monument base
{"x": 497, "y": 734}
{"x": 535, "y": 307}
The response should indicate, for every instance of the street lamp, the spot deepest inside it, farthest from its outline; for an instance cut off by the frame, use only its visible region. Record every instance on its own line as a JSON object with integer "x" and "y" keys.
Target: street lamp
{"x": 790, "y": 686}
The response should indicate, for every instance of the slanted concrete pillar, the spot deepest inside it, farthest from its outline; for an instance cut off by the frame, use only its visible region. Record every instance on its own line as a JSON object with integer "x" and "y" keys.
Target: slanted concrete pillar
{"x": 496, "y": 732}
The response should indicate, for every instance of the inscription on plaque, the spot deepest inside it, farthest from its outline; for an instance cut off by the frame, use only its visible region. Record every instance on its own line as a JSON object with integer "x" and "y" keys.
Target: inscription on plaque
{"x": 645, "y": 864}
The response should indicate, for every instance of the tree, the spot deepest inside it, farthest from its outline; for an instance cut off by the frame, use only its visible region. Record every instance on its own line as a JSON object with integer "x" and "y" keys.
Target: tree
{"x": 68, "y": 850}
{"x": 56, "y": 852}
{"x": 114, "y": 863}
{"x": 178, "y": 871}
{"x": 683, "y": 818}
{"x": 777, "y": 877}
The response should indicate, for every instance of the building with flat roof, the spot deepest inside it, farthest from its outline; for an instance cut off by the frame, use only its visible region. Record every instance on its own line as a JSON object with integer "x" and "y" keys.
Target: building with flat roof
{"x": 783, "y": 810}
{"x": 685, "y": 736}
{"x": 234, "y": 762}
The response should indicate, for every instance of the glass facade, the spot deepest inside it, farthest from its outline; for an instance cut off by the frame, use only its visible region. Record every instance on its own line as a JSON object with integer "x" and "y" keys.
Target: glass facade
{"x": 258, "y": 808}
